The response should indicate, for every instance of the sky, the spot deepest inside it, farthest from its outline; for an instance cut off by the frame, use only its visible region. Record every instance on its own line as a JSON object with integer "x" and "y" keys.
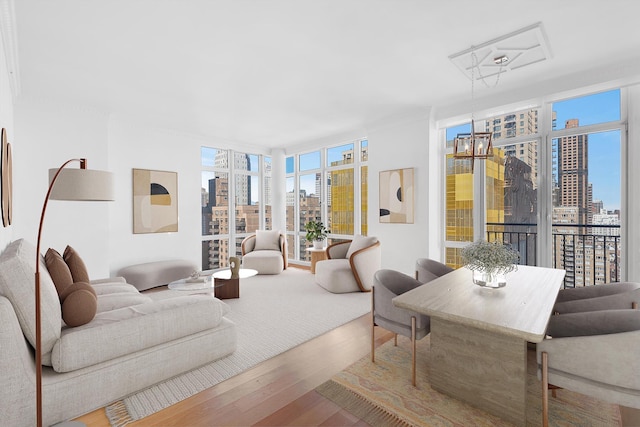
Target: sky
{"x": 604, "y": 148}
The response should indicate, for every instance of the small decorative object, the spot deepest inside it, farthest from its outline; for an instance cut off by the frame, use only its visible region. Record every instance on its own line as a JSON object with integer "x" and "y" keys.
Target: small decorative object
{"x": 195, "y": 277}
{"x": 489, "y": 262}
{"x": 396, "y": 196}
{"x": 316, "y": 233}
{"x": 234, "y": 266}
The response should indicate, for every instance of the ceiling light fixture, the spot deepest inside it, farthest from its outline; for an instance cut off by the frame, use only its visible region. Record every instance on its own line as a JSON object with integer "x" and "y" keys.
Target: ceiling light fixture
{"x": 474, "y": 145}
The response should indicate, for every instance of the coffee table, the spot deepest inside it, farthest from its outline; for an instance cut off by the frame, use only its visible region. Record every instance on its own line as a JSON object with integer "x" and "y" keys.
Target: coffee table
{"x": 220, "y": 282}
{"x": 479, "y": 336}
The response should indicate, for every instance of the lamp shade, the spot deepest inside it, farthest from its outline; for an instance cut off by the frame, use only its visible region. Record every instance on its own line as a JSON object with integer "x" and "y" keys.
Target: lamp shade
{"x": 82, "y": 184}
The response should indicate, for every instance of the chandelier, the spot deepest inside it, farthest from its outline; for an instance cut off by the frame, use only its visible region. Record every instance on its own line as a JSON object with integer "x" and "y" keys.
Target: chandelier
{"x": 476, "y": 145}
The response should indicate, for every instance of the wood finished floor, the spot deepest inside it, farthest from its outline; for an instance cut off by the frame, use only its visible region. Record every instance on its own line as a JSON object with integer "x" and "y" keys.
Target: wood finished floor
{"x": 277, "y": 392}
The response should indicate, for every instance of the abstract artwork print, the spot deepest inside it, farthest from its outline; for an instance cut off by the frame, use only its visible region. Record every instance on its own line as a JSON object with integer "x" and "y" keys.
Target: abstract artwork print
{"x": 396, "y": 196}
{"x": 155, "y": 201}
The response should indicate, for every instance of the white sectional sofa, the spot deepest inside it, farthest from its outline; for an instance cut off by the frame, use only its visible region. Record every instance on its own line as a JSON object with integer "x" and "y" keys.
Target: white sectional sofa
{"x": 132, "y": 343}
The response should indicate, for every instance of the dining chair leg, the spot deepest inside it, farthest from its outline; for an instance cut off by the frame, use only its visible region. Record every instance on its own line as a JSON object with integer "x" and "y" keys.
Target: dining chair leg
{"x": 373, "y": 324}
{"x": 413, "y": 350}
{"x": 395, "y": 340}
{"x": 545, "y": 389}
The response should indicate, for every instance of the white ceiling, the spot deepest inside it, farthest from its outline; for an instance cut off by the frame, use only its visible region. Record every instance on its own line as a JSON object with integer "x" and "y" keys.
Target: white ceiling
{"x": 280, "y": 72}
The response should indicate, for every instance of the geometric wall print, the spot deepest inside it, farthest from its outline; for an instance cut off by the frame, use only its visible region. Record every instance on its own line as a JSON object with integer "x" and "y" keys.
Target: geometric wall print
{"x": 396, "y": 196}
{"x": 155, "y": 201}
{"x": 6, "y": 180}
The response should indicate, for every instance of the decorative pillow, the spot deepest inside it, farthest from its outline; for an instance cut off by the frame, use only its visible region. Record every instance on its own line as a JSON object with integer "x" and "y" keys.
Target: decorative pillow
{"x": 79, "y": 305}
{"x": 58, "y": 270}
{"x": 17, "y": 270}
{"x": 267, "y": 240}
{"x": 76, "y": 287}
{"x": 360, "y": 242}
{"x": 76, "y": 265}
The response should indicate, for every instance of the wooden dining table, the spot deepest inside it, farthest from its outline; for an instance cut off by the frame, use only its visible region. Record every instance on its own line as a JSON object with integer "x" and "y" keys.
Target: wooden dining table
{"x": 479, "y": 336}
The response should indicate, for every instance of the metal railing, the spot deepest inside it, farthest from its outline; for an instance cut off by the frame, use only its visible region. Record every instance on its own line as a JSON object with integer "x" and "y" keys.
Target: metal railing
{"x": 589, "y": 253}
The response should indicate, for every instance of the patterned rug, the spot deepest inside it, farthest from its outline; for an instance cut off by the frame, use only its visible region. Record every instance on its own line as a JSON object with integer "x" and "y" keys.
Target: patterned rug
{"x": 382, "y": 395}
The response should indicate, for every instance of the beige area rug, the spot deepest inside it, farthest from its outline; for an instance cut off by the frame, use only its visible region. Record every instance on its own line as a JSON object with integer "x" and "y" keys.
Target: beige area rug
{"x": 273, "y": 315}
{"x": 382, "y": 395}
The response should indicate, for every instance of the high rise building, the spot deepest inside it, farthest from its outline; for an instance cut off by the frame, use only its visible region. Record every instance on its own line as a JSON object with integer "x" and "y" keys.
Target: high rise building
{"x": 524, "y": 122}
{"x": 573, "y": 172}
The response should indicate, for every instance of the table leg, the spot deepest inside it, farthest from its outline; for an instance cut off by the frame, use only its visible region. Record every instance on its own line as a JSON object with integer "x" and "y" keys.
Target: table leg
{"x": 488, "y": 370}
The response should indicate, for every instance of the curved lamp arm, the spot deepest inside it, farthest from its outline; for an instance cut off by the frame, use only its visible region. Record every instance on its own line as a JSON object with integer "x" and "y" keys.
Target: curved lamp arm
{"x": 91, "y": 185}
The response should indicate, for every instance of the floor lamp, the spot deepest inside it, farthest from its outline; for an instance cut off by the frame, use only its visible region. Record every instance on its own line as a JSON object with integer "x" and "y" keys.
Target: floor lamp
{"x": 70, "y": 184}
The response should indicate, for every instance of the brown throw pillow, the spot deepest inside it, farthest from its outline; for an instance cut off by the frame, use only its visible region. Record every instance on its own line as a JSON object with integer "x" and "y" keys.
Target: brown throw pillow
{"x": 79, "y": 305}
{"x": 76, "y": 265}
{"x": 58, "y": 270}
{"x": 75, "y": 287}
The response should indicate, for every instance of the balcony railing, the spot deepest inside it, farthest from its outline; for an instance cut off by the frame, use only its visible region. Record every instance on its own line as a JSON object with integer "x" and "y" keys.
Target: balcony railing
{"x": 590, "y": 253}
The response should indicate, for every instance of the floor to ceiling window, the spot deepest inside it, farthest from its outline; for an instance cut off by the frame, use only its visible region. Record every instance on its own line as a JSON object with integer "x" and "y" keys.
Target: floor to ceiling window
{"x": 233, "y": 185}
{"x": 574, "y": 208}
{"x": 322, "y": 185}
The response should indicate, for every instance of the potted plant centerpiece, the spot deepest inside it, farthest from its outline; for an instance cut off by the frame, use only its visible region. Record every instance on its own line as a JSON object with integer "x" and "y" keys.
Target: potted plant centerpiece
{"x": 489, "y": 262}
{"x": 316, "y": 233}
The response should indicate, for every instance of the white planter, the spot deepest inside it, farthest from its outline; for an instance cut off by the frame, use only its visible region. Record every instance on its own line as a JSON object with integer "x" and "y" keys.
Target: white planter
{"x": 318, "y": 244}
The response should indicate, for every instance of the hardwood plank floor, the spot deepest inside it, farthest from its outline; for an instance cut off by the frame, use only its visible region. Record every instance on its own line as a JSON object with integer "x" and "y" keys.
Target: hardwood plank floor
{"x": 277, "y": 392}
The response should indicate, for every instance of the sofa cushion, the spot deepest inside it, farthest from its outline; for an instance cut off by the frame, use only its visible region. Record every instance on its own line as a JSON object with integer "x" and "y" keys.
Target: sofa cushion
{"x": 127, "y": 330}
{"x": 265, "y": 262}
{"x": 336, "y": 276}
{"x": 58, "y": 270}
{"x": 17, "y": 272}
{"x": 360, "y": 242}
{"x": 117, "y": 300}
{"x": 76, "y": 265}
{"x": 267, "y": 240}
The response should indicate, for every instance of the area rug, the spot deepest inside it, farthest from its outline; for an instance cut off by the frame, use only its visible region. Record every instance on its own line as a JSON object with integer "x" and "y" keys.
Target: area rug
{"x": 273, "y": 315}
{"x": 381, "y": 394}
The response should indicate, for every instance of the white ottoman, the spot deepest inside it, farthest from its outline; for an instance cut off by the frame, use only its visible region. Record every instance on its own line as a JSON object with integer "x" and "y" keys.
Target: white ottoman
{"x": 158, "y": 273}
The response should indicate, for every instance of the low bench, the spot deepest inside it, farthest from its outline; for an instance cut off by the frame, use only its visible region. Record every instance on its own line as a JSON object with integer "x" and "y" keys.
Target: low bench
{"x": 158, "y": 273}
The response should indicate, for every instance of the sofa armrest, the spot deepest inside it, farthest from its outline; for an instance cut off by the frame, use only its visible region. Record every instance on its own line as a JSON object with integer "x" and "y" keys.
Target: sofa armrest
{"x": 17, "y": 370}
{"x": 248, "y": 244}
{"x": 338, "y": 250}
{"x": 364, "y": 263}
{"x": 118, "y": 279}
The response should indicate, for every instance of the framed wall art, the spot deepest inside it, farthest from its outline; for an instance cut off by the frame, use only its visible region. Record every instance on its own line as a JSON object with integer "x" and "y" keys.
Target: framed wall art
{"x": 155, "y": 201}
{"x": 396, "y": 196}
{"x": 6, "y": 183}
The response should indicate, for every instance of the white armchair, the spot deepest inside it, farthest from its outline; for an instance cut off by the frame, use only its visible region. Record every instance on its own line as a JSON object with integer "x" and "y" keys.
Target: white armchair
{"x": 265, "y": 251}
{"x": 350, "y": 265}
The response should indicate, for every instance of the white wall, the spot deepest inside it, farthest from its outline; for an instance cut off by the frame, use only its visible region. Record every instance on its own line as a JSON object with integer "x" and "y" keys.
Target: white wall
{"x": 6, "y": 121}
{"x": 49, "y": 134}
{"x": 134, "y": 147}
{"x": 397, "y": 146}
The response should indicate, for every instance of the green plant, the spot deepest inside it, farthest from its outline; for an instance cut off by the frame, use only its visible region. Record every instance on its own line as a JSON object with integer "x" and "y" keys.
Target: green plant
{"x": 315, "y": 231}
{"x": 490, "y": 257}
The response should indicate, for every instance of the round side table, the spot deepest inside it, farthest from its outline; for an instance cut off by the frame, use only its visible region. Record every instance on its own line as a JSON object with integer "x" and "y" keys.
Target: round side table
{"x": 316, "y": 255}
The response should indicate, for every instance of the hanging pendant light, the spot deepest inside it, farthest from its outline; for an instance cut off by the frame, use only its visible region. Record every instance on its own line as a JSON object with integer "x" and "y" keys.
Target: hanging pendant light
{"x": 474, "y": 145}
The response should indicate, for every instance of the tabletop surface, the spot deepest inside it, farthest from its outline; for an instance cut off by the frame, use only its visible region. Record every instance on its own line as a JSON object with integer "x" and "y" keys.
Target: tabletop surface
{"x": 522, "y": 308}
{"x": 243, "y": 273}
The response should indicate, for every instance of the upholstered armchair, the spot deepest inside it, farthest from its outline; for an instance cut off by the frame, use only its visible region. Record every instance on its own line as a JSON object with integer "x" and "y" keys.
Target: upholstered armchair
{"x": 265, "y": 251}
{"x": 350, "y": 265}
{"x": 429, "y": 269}
{"x": 594, "y": 345}
{"x": 388, "y": 284}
